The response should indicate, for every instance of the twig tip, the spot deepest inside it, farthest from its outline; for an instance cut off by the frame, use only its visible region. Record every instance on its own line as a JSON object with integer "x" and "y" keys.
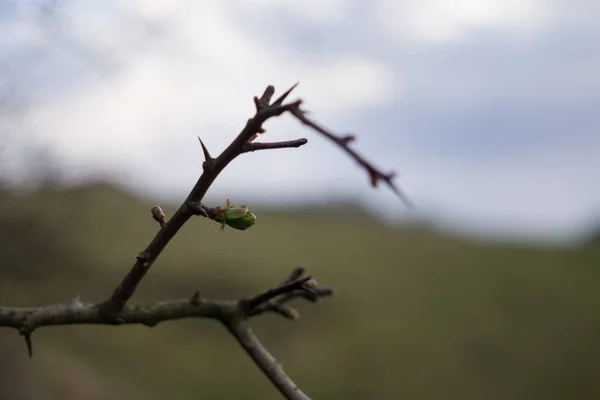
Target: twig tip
{"x": 158, "y": 215}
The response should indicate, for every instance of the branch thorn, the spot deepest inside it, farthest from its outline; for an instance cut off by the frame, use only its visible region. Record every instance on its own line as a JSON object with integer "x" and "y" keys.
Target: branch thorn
{"x": 29, "y": 344}
{"x": 282, "y": 98}
{"x": 347, "y": 139}
{"x": 26, "y": 333}
{"x": 208, "y": 160}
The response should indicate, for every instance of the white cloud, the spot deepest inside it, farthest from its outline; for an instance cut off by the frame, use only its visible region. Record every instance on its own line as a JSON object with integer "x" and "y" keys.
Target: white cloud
{"x": 197, "y": 78}
{"x": 315, "y": 10}
{"x": 452, "y": 20}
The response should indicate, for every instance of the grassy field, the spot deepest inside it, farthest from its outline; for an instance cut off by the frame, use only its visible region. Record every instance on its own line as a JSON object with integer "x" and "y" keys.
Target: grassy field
{"x": 417, "y": 314}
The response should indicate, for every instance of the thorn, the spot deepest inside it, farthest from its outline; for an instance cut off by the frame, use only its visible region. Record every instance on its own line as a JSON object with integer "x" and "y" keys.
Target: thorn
{"x": 151, "y": 324}
{"x": 207, "y": 157}
{"x": 347, "y": 139}
{"x": 374, "y": 178}
{"x": 27, "y": 336}
{"x": 281, "y": 98}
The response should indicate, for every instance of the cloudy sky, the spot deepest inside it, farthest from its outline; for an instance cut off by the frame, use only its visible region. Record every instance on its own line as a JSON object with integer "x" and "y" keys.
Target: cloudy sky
{"x": 489, "y": 109}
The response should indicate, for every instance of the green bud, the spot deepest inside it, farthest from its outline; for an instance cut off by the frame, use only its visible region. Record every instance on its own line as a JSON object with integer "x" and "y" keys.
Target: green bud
{"x": 237, "y": 217}
{"x": 235, "y": 212}
{"x": 242, "y": 223}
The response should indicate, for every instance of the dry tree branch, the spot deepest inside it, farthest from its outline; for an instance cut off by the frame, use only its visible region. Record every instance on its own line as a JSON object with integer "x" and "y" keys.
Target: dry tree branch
{"x": 232, "y": 314}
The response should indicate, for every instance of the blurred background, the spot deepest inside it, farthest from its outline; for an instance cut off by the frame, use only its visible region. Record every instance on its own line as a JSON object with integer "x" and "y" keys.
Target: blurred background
{"x": 489, "y": 109}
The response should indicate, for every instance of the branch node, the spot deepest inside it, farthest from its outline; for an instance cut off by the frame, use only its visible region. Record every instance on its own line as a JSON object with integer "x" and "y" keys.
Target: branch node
{"x": 144, "y": 258}
{"x": 197, "y": 208}
{"x": 347, "y": 139}
{"x": 158, "y": 215}
{"x": 75, "y": 302}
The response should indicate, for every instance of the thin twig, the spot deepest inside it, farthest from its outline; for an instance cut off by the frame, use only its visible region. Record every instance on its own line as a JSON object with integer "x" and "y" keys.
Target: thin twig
{"x": 270, "y": 366}
{"x": 287, "y": 287}
{"x": 253, "y": 146}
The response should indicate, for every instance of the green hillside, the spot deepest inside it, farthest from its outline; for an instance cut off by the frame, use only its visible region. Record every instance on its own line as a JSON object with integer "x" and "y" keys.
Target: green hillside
{"x": 416, "y": 315}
